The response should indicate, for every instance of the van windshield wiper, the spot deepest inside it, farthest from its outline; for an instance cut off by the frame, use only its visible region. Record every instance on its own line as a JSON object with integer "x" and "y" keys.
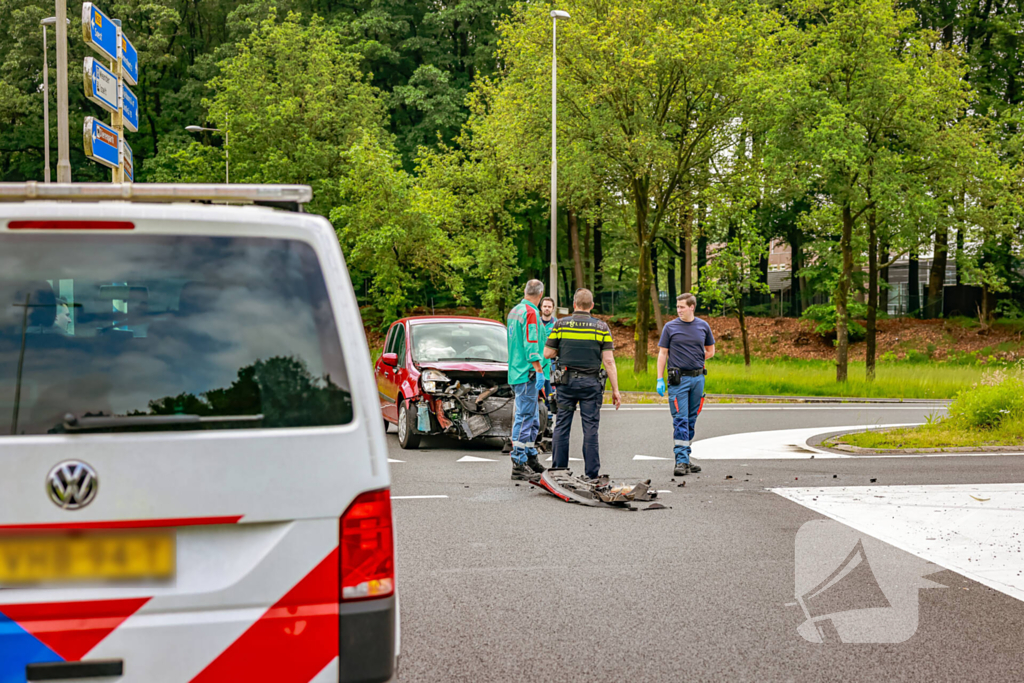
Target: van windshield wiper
{"x": 75, "y": 423}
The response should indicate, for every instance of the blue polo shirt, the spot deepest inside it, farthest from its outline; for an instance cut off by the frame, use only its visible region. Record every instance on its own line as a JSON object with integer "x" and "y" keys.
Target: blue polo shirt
{"x": 685, "y": 342}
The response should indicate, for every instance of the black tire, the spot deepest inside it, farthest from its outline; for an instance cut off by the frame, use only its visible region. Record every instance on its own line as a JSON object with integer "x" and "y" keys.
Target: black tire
{"x": 408, "y": 439}
{"x": 543, "y": 420}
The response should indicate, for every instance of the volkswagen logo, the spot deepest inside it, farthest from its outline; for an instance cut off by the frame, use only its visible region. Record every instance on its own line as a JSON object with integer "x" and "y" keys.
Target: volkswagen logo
{"x": 72, "y": 484}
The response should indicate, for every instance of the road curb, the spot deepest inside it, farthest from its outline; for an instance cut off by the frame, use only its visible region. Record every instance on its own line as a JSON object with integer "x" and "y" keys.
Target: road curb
{"x": 795, "y": 399}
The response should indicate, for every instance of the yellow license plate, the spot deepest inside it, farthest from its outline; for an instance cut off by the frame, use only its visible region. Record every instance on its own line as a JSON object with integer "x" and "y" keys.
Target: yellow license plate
{"x": 86, "y": 557}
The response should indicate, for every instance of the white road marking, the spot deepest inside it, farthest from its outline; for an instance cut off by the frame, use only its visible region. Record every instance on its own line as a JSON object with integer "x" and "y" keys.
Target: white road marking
{"x": 944, "y": 524}
{"x": 473, "y": 458}
{"x": 548, "y": 459}
{"x": 782, "y": 444}
{"x": 414, "y": 497}
{"x": 649, "y": 457}
{"x": 746, "y": 406}
{"x": 393, "y": 460}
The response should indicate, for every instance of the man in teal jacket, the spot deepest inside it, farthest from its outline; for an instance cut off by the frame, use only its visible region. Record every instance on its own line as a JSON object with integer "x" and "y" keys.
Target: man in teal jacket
{"x": 526, "y": 376}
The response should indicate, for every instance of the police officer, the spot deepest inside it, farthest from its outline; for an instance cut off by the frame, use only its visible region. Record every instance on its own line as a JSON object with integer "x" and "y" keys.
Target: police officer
{"x": 686, "y": 343}
{"x": 526, "y": 376}
{"x": 581, "y": 343}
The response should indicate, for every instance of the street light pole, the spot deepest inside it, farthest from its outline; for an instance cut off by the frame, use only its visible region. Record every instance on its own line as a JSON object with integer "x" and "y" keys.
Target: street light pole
{"x": 227, "y": 151}
{"x": 553, "y": 274}
{"x": 46, "y": 100}
{"x": 63, "y": 141}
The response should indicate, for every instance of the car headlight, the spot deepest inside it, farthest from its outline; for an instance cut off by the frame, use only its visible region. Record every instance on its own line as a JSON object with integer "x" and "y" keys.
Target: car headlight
{"x": 433, "y": 381}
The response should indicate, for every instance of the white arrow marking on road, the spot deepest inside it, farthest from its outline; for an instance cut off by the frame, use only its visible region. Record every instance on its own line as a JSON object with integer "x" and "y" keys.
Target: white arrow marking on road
{"x": 414, "y": 497}
{"x": 649, "y": 457}
{"x": 393, "y": 460}
{"x": 781, "y": 444}
{"x": 944, "y": 524}
{"x": 548, "y": 459}
{"x": 473, "y": 458}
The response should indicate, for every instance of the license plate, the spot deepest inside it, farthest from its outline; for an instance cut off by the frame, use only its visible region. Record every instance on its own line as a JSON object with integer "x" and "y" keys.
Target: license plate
{"x": 86, "y": 557}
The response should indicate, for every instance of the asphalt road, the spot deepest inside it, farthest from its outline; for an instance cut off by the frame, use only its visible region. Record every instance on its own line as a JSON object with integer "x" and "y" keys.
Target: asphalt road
{"x": 500, "y": 582}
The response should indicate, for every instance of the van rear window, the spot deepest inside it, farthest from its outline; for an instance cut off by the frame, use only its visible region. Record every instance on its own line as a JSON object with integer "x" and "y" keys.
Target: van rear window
{"x": 114, "y": 333}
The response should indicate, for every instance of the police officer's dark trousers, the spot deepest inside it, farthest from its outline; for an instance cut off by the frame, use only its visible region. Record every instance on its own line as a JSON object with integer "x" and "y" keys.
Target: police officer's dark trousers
{"x": 588, "y": 393}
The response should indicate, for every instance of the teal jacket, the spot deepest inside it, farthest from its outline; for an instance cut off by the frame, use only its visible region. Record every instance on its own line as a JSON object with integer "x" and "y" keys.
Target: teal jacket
{"x": 545, "y": 331}
{"x": 525, "y": 343}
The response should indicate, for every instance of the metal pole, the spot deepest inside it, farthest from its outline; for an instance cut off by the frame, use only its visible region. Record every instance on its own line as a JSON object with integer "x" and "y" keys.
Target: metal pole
{"x": 46, "y": 109}
{"x": 63, "y": 143}
{"x": 553, "y": 275}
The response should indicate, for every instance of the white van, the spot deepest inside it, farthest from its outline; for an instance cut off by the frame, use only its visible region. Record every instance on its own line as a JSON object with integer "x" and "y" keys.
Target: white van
{"x": 193, "y": 471}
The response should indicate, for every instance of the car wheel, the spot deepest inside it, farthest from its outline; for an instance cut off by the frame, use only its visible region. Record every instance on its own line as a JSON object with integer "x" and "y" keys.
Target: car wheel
{"x": 407, "y": 436}
{"x": 543, "y": 426}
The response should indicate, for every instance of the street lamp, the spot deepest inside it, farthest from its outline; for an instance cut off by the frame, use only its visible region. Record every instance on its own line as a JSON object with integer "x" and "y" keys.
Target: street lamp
{"x": 48, "y": 21}
{"x": 553, "y": 275}
{"x": 227, "y": 152}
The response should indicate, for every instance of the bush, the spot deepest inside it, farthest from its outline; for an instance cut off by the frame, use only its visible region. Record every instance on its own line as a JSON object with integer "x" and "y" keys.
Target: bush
{"x": 1000, "y": 395}
{"x": 824, "y": 315}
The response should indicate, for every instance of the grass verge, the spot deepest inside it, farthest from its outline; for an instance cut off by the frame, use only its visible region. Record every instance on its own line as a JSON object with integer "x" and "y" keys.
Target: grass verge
{"x": 728, "y": 375}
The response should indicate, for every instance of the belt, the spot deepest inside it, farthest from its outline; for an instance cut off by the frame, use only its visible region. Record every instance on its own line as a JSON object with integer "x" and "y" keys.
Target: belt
{"x": 691, "y": 373}
{"x": 583, "y": 372}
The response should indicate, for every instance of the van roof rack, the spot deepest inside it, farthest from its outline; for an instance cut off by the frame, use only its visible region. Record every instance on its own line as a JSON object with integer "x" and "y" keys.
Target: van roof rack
{"x": 290, "y": 197}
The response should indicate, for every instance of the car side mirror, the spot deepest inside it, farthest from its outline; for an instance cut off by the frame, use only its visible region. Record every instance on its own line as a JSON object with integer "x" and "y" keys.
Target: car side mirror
{"x": 390, "y": 359}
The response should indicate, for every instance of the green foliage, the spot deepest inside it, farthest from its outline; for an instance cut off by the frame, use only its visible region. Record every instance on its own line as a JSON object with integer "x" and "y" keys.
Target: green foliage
{"x": 824, "y": 317}
{"x": 999, "y": 396}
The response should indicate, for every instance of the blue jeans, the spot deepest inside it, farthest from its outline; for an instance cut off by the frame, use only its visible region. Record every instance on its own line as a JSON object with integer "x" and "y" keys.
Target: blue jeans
{"x": 526, "y": 422}
{"x": 587, "y": 392}
{"x": 684, "y": 404}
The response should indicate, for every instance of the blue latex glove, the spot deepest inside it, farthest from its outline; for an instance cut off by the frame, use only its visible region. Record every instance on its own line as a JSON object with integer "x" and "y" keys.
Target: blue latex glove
{"x": 661, "y": 387}
{"x": 540, "y": 381}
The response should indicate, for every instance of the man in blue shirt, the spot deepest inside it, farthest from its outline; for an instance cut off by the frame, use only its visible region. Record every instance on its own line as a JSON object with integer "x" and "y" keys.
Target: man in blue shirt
{"x": 685, "y": 344}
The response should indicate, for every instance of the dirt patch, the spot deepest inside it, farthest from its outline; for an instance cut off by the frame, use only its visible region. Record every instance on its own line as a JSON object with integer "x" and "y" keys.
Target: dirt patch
{"x": 792, "y": 338}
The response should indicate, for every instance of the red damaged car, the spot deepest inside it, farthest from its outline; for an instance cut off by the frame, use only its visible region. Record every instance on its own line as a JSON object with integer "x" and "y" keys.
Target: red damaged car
{"x": 446, "y": 375}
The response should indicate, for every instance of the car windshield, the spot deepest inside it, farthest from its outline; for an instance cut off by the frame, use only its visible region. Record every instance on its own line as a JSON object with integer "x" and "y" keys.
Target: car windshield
{"x": 98, "y": 326}
{"x": 459, "y": 341}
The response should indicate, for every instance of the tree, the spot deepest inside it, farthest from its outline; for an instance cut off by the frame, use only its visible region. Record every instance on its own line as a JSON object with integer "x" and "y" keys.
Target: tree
{"x": 648, "y": 94}
{"x": 294, "y": 101}
{"x": 856, "y": 108}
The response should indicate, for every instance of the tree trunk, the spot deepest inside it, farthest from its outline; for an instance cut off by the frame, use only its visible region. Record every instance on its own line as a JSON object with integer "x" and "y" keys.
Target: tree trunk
{"x": 796, "y": 305}
{"x": 842, "y": 297}
{"x": 741, "y": 314}
{"x": 567, "y": 299}
{"x": 959, "y": 253}
{"x": 871, "y": 327}
{"x": 588, "y": 258}
{"x": 598, "y": 260}
{"x": 658, "y": 318}
{"x": 702, "y": 258}
{"x": 686, "y": 246}
{"x": 937, "y": 276}
{"x": 671, "y": 273}
{"x": 577, "y": 257}
{"x": 643, "y": 296}
{"x": 913, "y": 286}
{"x": 762, "y": 270}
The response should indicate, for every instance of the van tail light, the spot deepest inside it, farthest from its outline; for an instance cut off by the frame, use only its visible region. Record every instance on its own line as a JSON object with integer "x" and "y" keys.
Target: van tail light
{"x": 367, "y": 548}
{"x": 70, "y": 225}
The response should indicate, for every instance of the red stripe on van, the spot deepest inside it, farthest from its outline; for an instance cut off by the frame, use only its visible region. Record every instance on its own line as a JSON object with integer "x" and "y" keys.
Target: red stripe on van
{"x": 124, "y": 524}
{"x": 70, "y": 225}
{"x": 293, "y": 640}
{"x": 72, "y": 629}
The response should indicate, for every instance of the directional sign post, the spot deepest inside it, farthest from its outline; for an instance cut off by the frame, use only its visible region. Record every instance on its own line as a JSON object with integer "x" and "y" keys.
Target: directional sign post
{"x": 127, "y": 161}
{"x": 108, "y": 87}
{"x": 99, "y": 31}
{"x": 129, "y": 61}
{"x": 101, "y": 85}
{"x": 102, "y": 143}
{"x": 129, "y": 109}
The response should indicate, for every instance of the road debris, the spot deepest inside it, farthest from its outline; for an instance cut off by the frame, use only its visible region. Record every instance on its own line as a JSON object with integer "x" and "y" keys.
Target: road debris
{"x": 600, "y": 492}
{"x": 981, "y": 500}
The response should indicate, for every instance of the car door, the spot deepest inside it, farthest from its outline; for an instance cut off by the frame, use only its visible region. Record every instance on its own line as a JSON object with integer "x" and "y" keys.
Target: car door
{"x": 387, "y": 376}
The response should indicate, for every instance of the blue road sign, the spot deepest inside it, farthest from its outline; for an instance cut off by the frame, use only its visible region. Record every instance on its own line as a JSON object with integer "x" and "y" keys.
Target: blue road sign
{"x": 129, "y": 60}
{"x": 102, "y": 143}
{"x": 127, "y": 161}
{"x": 101, "y": 85}
{"x": 129, "y": 109}
{"x": 99, "y": 32}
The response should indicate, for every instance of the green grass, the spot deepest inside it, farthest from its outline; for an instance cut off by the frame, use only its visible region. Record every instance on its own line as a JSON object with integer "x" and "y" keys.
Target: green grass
{"x": 944, "y": 434}
{"x": 728, "y": 375}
